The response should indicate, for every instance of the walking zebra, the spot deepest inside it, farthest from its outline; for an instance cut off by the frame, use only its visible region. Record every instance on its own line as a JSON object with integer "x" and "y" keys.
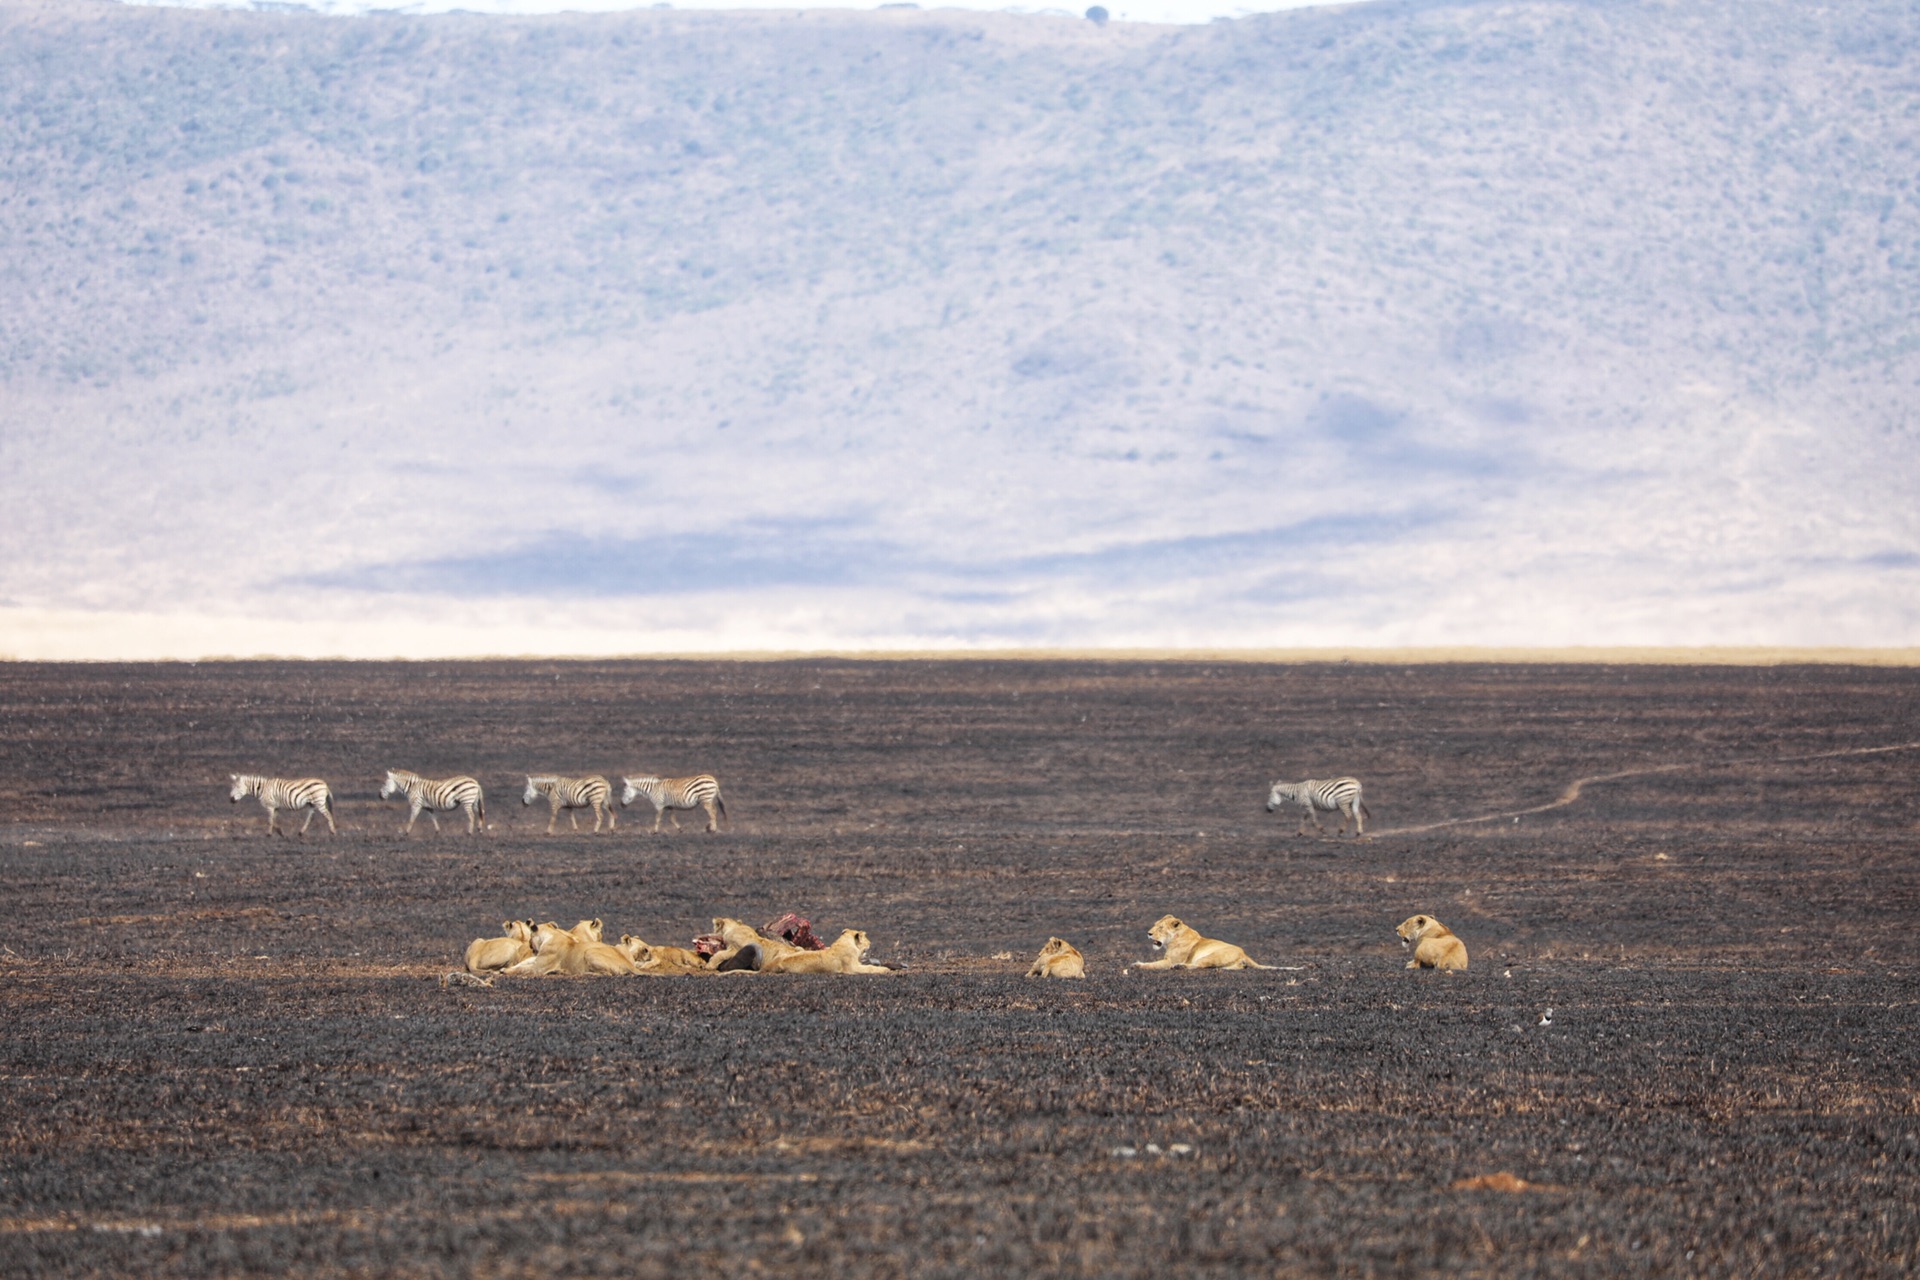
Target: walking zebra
{"x": 1315, "y": 795}
{"x": 286, "y": 793}
{"x": 702, "y": 791}
{"x": 571, "y": 793}
{"x": 431, "y": 794}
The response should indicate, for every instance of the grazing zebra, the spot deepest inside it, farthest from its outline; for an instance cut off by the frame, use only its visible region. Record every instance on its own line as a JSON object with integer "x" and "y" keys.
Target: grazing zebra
{"x": 702, "y": 791}
{"x": 286, "y": 793}
{"x": 571, "y": 793}
{"x": 442, "y": 794}
{"x": 1331, "y": 795}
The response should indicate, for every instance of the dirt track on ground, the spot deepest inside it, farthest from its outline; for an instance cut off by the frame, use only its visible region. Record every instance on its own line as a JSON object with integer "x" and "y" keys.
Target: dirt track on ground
{"x": 226, "y": 1053}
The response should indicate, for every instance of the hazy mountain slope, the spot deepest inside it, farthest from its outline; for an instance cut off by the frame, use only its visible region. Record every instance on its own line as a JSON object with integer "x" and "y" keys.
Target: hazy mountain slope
{"x": 1430, "y": 321}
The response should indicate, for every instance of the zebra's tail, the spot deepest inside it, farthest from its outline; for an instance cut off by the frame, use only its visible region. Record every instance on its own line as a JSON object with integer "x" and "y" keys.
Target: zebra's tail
{"x": 1366, "y": 812}
{"x": 480, "y": 809}
{"x": 720, "y": 803}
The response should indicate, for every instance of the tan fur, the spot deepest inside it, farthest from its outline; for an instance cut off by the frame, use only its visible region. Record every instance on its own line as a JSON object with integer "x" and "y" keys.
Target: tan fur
{"x": 652, "y": 959}
{"x": 1434, "y": 945}
{"x": 569, "y": 951}
{"x": 737, "y": 934}
{"x": 1058, "y": 959}
{"x": 1185, "y": 948}
{"x": 485, "y": 954}
{"x": 848, "y": 954}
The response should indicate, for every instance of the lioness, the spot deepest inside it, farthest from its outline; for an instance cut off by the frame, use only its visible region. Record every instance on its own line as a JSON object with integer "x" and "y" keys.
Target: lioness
{"x": 1185, "y": 949}
{"x": 586, "y": 930}
{"x": 847, "y": 954}
{"x": 652, "y": 959}
{"x": 1433, "y": 944}
{"x": 1059, "y": 959}
{"x": 747, "y": 947}
{"x": 558, "y": 950}
{"x": 484, "y": 954}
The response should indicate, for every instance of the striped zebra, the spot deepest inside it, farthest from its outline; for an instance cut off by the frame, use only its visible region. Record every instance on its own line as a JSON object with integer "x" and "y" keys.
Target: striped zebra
{"x": 702, "y": 791}
{"x": 1318, "y": 795}
{"x": 443, "y": 794}
{"x": 286, "y": 793}
{"x": 571, "y": 793}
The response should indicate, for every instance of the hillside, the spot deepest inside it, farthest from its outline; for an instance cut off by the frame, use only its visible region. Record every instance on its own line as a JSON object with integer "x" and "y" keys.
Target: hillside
{"x": 1427, "y": 322}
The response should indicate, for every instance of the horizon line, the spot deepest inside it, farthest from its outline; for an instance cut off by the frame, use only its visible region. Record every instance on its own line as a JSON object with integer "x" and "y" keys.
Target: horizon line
{"x": 1359, "y": 655}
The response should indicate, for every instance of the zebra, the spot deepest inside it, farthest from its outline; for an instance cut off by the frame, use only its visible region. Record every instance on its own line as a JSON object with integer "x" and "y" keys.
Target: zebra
{"x": 430, "y": 794}
{"x": 571, "y": 793}
{"x": 286, "y": 793}
{"x": 1331, "y": 795}
{"x": 701, "y": 791}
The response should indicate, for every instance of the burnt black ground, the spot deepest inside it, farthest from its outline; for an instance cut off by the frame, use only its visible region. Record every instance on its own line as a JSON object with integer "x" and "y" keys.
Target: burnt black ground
{"x": 227, "y": 1054}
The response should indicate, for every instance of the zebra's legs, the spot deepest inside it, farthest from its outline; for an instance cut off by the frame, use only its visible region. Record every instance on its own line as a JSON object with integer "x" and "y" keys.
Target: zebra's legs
{"x": 413, "y": 816}
{"x": 674, "y": 818}
{"x": 436, "y": 821}
{"x": 470, "y": 818}
{"x": 713, "y": 823}
{"x": 272, "y": 813}
{"x": 553, "y": 812}
{"x": 574, "y": 818}
{"x": 311, "y": 810}
{"x": 328, "y": 811}
{"x": 659, "y": 812}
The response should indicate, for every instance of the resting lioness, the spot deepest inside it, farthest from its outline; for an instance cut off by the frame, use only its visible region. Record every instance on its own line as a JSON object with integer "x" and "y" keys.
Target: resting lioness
{"x": 1059, "y": 959}
{"x": 651, "y": 959}
{"x": 1185, "y": 949}
{"x": 847, "y": 954}
{"x": 1434, "y": 946}
{"x": 484, "y": 954}
{"x": 747, "y": 947}
{"x": 586, "y": 931}
{"x": 558, "y": 950}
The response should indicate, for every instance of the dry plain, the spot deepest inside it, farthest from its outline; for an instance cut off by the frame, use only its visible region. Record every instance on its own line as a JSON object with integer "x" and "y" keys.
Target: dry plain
{"x": 226, "y": 1053}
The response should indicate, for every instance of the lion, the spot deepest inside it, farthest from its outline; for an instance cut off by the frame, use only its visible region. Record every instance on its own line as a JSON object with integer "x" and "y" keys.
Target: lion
{"x": 747, "y": 947}
{"x": 484, "y": 954}
{"x": 1434, "y": 945}
{"x": 847, "y": 954}
{"x": 652, "y": 959}
{"x": 565, "y": 951}
{"x": 1059, "y": 959}
{"x": 1185, "y": 948}
{"x": 586, "y": 930}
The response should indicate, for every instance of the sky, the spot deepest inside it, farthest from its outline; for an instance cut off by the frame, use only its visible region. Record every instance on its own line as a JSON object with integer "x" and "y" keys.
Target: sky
{"x": 1383, "y": 326}
{"x": 1169, "y": 11}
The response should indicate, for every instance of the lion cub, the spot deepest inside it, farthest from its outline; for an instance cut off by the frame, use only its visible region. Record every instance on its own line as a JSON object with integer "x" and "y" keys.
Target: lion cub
{"x": 1433, "y": 944}
{"x": 484, "y": 954}
{"x": 1185, "y": 948}
{"x": 1059, "y": 959}
{"x": 652, "y": 959}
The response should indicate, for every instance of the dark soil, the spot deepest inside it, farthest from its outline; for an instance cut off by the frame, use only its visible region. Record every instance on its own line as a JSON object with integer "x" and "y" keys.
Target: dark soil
{"x": 225, "y": 1053}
